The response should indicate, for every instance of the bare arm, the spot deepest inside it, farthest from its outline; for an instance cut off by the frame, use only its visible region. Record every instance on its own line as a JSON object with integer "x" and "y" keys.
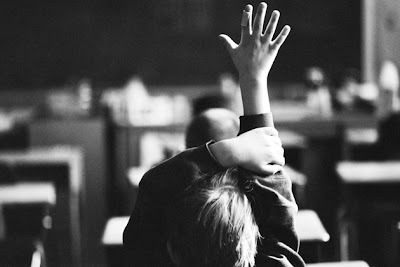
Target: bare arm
{"x": 254, "y": 55}
{"x": 253, "y": 58}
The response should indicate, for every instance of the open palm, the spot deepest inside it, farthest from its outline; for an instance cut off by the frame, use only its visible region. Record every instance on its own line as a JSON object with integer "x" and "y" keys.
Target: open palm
{"x": 254, "y": 55}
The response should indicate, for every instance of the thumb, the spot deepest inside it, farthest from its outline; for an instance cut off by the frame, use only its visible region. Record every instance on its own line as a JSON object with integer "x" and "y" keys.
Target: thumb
{"x": 229, "y": 43}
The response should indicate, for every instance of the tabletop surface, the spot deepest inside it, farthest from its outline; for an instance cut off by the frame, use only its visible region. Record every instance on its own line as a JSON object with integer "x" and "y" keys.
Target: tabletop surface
{"x": 24, "y": 192}
{"x": 296, "y": 177}
{"x": 309, "y": 227}
{"x": 39, "y": 154}
{"x": 292, "y": 139}
{"x": 60, "y": 154}
{"x": 114, "y": 229}
{"x": 361, "y": 136}
{"x": 369, "y": 172}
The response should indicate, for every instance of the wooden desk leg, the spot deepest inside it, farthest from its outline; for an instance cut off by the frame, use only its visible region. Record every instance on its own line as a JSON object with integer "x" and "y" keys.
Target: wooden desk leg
{"x": 319, "y": 252}
{"x": 348, "y": 235}
{"x": 397, "y": 243}
{"x": 2, "y": 224}
{"x": 343, "y": 230}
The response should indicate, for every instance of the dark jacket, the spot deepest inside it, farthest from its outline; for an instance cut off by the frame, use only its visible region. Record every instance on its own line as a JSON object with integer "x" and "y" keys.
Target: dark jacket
{"x": 273, "y": 204}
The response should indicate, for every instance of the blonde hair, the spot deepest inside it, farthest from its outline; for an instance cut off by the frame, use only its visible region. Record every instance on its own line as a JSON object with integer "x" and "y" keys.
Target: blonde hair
{"x": 212, "y": 223}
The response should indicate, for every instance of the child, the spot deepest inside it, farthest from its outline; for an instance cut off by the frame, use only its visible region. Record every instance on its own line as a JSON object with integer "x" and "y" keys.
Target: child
{"x": 257, "y": 152}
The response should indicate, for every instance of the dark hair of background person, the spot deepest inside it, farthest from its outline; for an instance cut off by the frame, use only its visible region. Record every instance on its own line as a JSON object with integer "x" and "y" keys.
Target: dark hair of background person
{"x": 213, "y": 124}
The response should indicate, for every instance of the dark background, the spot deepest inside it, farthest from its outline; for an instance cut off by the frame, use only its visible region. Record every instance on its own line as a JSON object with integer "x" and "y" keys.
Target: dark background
{"x": 50, "y": 43}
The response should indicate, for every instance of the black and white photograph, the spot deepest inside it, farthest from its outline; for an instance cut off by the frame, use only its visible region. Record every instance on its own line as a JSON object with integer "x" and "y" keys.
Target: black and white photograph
{"x": 200, "y": 133}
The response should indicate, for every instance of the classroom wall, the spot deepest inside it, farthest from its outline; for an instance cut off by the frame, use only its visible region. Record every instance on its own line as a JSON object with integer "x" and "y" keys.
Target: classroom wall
{"x": 50, "y": 43}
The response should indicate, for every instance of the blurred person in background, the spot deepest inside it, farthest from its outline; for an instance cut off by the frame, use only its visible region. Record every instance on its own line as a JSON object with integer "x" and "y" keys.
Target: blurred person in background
{"x": 318, "y": 95}
{"x": 213, "y": 124}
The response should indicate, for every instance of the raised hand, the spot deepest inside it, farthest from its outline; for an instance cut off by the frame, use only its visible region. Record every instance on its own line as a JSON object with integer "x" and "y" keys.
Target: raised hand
{"x": 254, "y": 55}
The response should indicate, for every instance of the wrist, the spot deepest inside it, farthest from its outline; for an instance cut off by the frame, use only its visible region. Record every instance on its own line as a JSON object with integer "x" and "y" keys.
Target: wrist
{"x": 254, "y": 95}
{"x": 253, "y": 79}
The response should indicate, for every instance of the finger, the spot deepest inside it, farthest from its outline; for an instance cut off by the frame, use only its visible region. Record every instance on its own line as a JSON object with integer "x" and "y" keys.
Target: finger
{"x": 271, "y": 27}
{"x": 280, "y": 150}
{"x": 246, "y": 23}
{"x": 280, "y": 161}
{"x": 229, "y": 43}
{"x": 271, "y": 169}
{"x": 281, "y": 37}
{"x": 277, "y": 157}
{"x": 259, "y": 19}
{"x": 269, "y": 131}
{"x": 273, "y": 141}
{"x": 276, "y": 140}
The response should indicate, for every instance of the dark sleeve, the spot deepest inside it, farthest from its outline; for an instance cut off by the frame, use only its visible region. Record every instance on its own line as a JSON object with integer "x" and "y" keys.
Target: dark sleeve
{"x": 145, "y": 236}
{"x": 250, "y": 122}
{"x": 274, "y": 208}
{"x": 278, "y": 254}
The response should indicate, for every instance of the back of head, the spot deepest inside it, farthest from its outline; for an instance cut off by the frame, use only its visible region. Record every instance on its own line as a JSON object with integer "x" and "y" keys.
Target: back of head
{"x": 212, "y": 224}
{"x": 213, "y": 124}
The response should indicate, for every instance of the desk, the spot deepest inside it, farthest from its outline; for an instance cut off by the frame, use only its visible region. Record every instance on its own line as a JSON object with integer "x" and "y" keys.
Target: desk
{"x": 295, "y": 145}
{"x": 370, "y": 210}
{"x": 112, "y": 240}
{"x": 25, "y": 192}
{"x": 72, "y": 157}
{"x": 295, "y": 176}
{"x": 369, "y": 172}
{"x": 360, "y": 143}
{"x": 309, "y": 227}
{"x": 292, "y": 139}
{"x": 91, "y": 135}
{"x": 312, "y": 235}
{"x": 340, "y": 264}
{"x": 361, "y": 136}
{"x": 113, "y": 231}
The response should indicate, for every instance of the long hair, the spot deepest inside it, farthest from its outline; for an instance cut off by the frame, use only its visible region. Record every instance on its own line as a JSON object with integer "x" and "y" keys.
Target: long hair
{"x": 212, "y": 223}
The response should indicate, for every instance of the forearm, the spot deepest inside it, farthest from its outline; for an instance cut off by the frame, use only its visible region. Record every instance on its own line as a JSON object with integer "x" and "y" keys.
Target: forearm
{"x": 255, "y": 95}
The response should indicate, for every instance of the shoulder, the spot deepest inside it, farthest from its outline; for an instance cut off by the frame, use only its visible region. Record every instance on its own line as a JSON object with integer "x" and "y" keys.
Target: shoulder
{"x": 275, "y": 189}
{"x": 175, "y": 174}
